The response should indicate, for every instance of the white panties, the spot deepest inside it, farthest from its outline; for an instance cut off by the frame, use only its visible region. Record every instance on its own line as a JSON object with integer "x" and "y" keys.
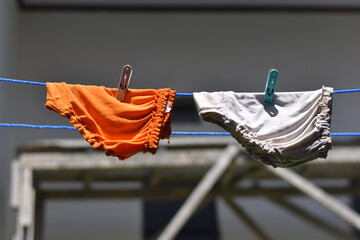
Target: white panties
{"x": 292, "y": 130}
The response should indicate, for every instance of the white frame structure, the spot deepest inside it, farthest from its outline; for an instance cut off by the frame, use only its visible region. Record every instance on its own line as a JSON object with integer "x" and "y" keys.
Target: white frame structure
{"x": 218, "y": 164}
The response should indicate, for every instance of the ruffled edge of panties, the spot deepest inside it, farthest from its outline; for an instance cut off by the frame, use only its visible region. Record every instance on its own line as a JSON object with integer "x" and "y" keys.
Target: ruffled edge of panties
{"x": 160, "y": 125}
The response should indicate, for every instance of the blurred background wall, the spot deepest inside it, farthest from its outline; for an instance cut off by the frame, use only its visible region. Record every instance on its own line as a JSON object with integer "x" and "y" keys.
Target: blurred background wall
{"x": 186, "y": 51}
{"x": 8, "y": 29}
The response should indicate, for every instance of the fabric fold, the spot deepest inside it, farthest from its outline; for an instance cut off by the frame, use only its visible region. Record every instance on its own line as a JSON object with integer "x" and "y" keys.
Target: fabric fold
{"x": 120, "y": 129}
{"x": 294, "y": 129}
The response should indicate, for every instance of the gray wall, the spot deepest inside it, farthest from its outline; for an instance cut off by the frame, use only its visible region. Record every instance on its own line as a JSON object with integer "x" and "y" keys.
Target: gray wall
{"x": 191, "y": 52}
{"x": 3, "y": 42}
{"x": 185, "y": 51}
{"x": 8, "y": 29}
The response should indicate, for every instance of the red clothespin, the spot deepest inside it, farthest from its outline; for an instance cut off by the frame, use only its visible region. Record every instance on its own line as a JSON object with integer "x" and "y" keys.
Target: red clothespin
{"x": 124, "y": 82}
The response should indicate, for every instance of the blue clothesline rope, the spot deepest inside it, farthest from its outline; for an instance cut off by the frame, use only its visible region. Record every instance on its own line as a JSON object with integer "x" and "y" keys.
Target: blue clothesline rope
{"x": 36, "y": 126}
{"x": 22, "y": 81}
{"x": 173, "y": 133}
{"x": 347, "y": 91}
{"x": 177, "y": 94}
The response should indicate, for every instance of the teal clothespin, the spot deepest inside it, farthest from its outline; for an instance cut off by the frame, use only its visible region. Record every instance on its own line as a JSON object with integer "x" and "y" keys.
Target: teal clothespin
{"x": 270, "y": 86}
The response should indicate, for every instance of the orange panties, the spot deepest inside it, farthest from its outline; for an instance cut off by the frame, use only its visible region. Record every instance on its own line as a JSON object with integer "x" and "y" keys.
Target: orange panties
{"x": 121, "y": 129}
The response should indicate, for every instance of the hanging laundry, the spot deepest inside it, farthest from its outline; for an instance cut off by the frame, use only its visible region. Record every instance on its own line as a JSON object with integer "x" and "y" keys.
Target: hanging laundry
{"x": 120, "y": 129}
{"x": 294, "y": 129}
